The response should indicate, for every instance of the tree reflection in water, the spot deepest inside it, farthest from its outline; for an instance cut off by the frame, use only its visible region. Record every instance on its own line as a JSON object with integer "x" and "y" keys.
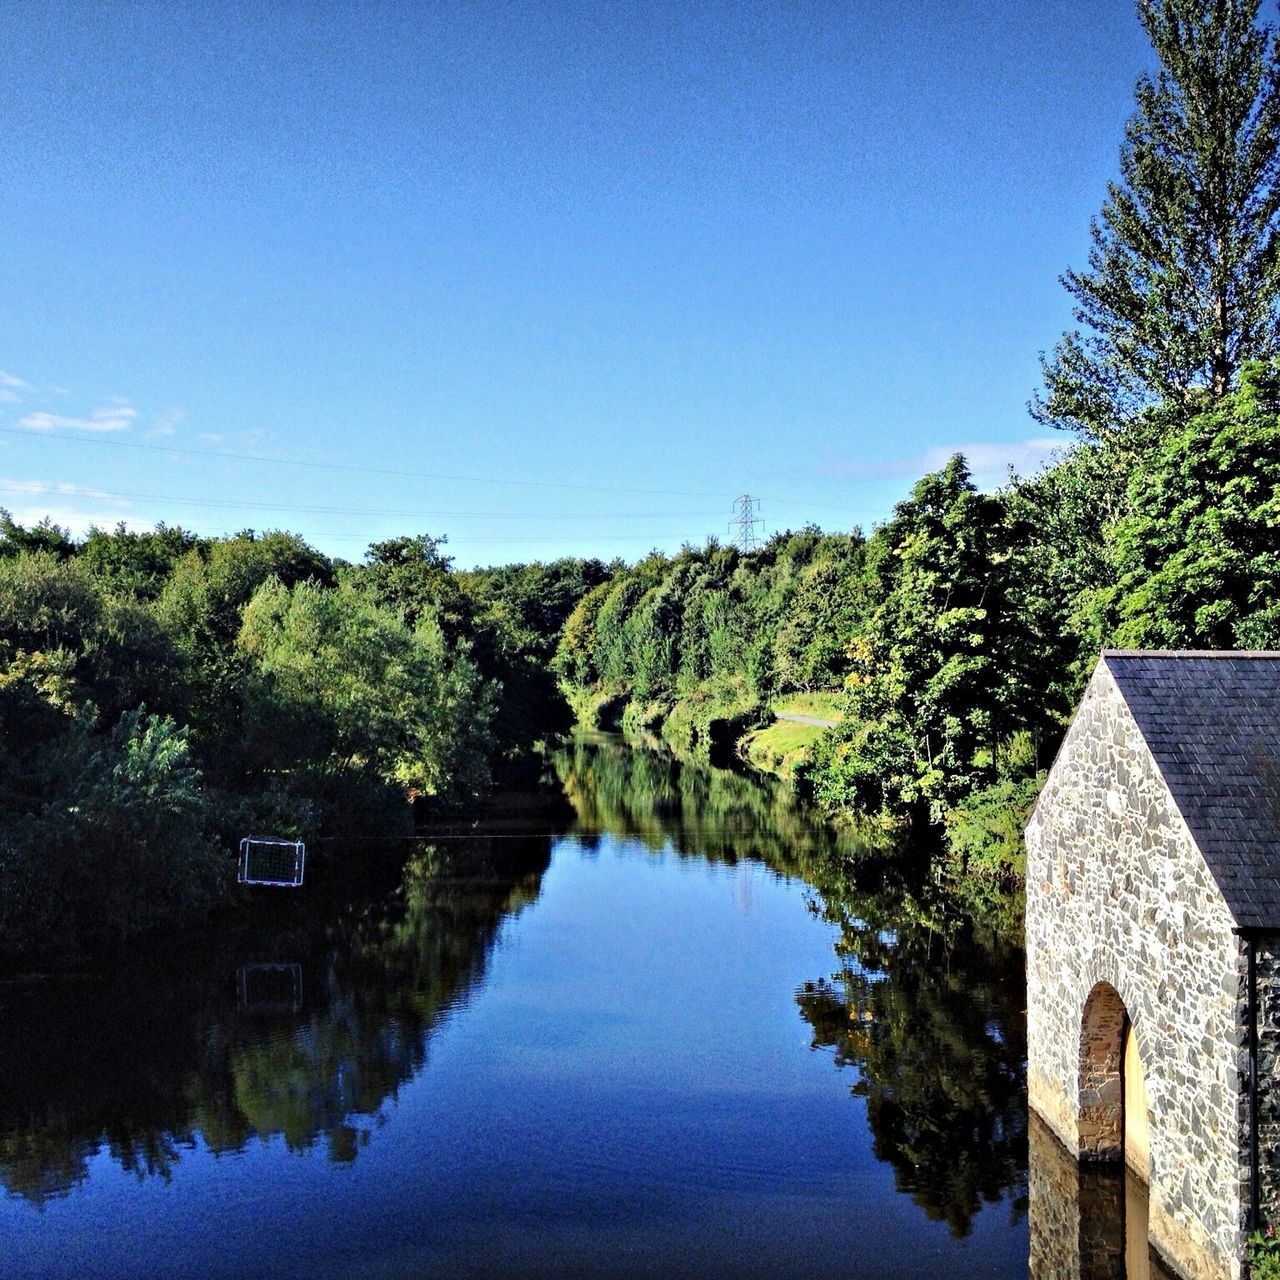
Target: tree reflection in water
{"x": 174, "y": 1051}
{"x": 928, "y": 1008}
{"x": 166, "y": 1053}
{"x": 927, "y": 1004}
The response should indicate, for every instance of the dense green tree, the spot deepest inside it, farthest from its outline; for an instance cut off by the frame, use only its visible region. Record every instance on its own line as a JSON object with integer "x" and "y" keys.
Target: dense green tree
{"x": 116, "y": 651}
{"x": 714, "y": 627}
{"x": 201, "y": 605}
{"x": 1198, "y": 555}
{"x": 162, "y": 693}
{"x": 413, "y": 576}
{"x": 136, "y": 563}
{"x": 45, "y": 536}
{"x": 101, "y": 835}
{"x": 1060, "y": 568}
{"x": 575, "y": 660}
{"x": 517, "y": 613}
{"x": 827, "y": 601}
{"x": 341, "y": 686}
{"x": 1183, "y": 276}
{"x": 933, "y": 678}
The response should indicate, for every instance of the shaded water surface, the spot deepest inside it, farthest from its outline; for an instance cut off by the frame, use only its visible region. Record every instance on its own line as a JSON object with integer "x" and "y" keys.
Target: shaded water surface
{"x": 668, "y": 1027}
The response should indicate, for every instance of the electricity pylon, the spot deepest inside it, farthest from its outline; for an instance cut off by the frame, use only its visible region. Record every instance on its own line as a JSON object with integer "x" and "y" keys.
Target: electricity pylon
{"x": 744, "y": 522}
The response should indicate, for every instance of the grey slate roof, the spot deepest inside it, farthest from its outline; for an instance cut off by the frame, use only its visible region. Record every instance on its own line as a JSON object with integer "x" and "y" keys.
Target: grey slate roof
{"x": 1212, "y": 722}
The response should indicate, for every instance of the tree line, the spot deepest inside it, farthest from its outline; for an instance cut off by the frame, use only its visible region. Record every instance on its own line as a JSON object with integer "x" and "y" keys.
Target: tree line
{"x": 163, "y": 694}
{"x": 961, "y": 631}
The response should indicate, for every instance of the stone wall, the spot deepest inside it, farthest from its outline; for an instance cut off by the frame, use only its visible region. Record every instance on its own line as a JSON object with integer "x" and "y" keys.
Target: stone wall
{"x": 1118, "y": 894}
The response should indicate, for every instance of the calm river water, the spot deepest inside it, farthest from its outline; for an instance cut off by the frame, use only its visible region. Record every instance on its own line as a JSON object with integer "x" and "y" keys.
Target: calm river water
{"x": 650, "y": 1030}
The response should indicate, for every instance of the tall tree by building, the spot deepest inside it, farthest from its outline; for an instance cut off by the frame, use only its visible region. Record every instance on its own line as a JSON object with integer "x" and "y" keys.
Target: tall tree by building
{"x": 1184, "y": 273}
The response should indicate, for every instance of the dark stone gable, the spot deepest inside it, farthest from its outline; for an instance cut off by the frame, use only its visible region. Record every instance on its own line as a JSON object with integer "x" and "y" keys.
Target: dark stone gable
{"x": 1212, "y": 723}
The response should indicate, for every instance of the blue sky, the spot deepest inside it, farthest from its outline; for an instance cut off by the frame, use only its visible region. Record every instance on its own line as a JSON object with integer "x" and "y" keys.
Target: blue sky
{"x": 546, "y": 278}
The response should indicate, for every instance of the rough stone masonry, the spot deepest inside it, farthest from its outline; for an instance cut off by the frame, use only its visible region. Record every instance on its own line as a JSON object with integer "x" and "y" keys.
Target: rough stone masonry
{"x": 1153, "y": 902}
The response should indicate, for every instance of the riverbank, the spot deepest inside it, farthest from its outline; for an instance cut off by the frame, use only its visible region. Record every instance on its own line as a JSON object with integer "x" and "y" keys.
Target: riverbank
{"x": 784, "y": 747}
{"x": 979, "y": 837}
{"x": 721, "y": 720}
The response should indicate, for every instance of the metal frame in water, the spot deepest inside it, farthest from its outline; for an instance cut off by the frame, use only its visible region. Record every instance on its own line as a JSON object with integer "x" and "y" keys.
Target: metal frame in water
{"x": 264, "y": 861}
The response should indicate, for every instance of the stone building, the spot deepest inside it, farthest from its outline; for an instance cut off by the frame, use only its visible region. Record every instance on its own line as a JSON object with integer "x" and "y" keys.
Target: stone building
{"x": 1153, "y": 943}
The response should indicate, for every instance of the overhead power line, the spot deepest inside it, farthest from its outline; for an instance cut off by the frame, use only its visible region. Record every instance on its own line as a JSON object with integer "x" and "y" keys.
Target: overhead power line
{"x": 83, "y": 491}
{"x": 347, "y": 467}
{"x": 799, "y": 504}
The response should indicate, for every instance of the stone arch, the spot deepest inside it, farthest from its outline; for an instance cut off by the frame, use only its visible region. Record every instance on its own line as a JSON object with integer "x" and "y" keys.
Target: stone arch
{"x": 1100, "y": 1114}
{"x": 1113, "y": 1117}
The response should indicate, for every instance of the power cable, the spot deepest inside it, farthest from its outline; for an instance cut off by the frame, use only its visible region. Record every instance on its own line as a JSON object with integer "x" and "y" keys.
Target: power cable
{"x": 230, "y": 455}
{"x": 80, "y": 491}
{"x": 35, "y": 491}
{"x": 347, "y": 467}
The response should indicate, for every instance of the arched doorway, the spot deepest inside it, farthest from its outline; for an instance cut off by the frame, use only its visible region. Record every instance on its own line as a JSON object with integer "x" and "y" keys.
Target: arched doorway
{"x": 1101, "y": 1114}
{"x": 1113, "y": 1116}
{"x": 1113, "y": 1123}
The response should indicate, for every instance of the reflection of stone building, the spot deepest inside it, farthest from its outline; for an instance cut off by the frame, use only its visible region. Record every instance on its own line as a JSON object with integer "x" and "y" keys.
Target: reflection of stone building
{"x": 1088, "y": 1221}
{"x": 1153, "y": 942}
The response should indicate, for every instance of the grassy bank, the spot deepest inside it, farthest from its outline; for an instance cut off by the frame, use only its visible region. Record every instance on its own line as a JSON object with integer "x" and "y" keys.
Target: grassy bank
{"x": 784, "y": 747}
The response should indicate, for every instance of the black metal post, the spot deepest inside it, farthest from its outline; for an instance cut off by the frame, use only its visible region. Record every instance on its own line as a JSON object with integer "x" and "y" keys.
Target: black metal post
{"x": 1254, "y": 1222}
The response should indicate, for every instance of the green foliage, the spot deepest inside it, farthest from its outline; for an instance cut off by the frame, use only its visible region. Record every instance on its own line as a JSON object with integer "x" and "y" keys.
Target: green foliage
{"x": 160, "y": 694}
{"x": 137, "y": 564}
{"x": 105, "y": 836}
{"x": 115, "y": 649}
{"x": 517, "y": 615}
{"x": 45, "y": 536}
{"x": 200, "y": 605}
{"x": 825, "y": 603}
{"x": 942, "y": 667}
{"x": 414, "y": 577}
{"x": 984, "y": 829}
{"x": 1060, "y": 570}
{"x": 340, "y": 685}
{"x": 710, "y": 634}
{"x": 1198, "y": 553}
{"x": 574, "y": 661}
{"x": 1183, "y": 277}
{"x": 1262, "y": 1253}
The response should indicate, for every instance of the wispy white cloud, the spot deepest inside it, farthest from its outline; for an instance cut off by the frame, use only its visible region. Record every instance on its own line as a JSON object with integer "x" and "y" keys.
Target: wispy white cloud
{"x": 72, "y": 518}
{"x": 38, "y": 487}
{"x": 989, "y": 460}
{"x": 12, "y": 388}
{"x": 988, "y": 457}
{"x": 73, "y": 507}
{"x": 167, "y": 423}
{"x": 111, "y": 417}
